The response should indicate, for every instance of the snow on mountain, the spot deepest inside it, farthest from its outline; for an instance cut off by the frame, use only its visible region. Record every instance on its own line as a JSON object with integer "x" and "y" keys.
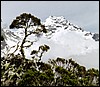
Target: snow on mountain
{"x": 65, "y": 40}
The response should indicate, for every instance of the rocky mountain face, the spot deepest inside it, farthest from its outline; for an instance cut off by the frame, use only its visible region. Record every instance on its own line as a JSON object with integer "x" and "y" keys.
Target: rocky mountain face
{"x": 96, "y": 37}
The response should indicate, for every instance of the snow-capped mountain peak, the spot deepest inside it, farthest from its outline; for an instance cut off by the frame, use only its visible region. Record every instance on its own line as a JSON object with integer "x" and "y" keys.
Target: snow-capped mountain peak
{"x": 56, "y": 24}
{"x": 59, "y": 22}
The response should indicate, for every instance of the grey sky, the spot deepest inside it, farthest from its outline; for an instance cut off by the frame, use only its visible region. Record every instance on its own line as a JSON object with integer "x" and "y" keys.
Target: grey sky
{"x": 82, "y": 13}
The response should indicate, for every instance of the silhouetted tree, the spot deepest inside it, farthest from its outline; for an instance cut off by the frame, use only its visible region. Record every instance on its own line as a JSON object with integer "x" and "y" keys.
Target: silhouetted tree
{"x": 26, "y": 21}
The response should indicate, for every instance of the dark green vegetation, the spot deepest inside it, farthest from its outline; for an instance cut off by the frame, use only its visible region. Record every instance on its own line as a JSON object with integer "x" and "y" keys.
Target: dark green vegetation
{"x": 16, "y": 70}
{"x": 2, "y": 38}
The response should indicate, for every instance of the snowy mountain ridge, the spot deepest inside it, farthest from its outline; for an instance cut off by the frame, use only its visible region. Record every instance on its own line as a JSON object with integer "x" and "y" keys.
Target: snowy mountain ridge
{"x": 55, "y": 24}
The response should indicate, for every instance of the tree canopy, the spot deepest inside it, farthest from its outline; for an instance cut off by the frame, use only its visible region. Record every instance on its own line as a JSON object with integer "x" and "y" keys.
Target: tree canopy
{"x": 26, "y": 21}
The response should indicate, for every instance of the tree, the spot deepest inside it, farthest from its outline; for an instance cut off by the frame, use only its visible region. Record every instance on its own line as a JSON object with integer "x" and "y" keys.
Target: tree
{"x": 26, "y": 21}
{"x": 18, "y": 62}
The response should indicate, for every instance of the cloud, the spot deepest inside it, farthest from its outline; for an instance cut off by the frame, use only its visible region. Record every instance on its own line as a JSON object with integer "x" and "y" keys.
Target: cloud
{"x": 90, "y": 60}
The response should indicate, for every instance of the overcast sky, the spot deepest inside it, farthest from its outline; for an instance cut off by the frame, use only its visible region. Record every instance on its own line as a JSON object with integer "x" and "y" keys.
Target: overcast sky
{"x": 85, "y": 14}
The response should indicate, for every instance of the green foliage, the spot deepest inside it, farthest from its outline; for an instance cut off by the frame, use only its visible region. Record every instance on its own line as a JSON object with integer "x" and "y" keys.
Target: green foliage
{"x": 30, "y": 78}
{"x": 30, "y": 73}
{"x": 39, "y": 53}
{"x": 26, "y": 21}
{"x": 2, "y": 38}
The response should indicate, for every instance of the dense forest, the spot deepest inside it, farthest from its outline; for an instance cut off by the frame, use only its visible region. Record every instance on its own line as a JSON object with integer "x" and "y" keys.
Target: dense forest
{"x": 17, "y": 70}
